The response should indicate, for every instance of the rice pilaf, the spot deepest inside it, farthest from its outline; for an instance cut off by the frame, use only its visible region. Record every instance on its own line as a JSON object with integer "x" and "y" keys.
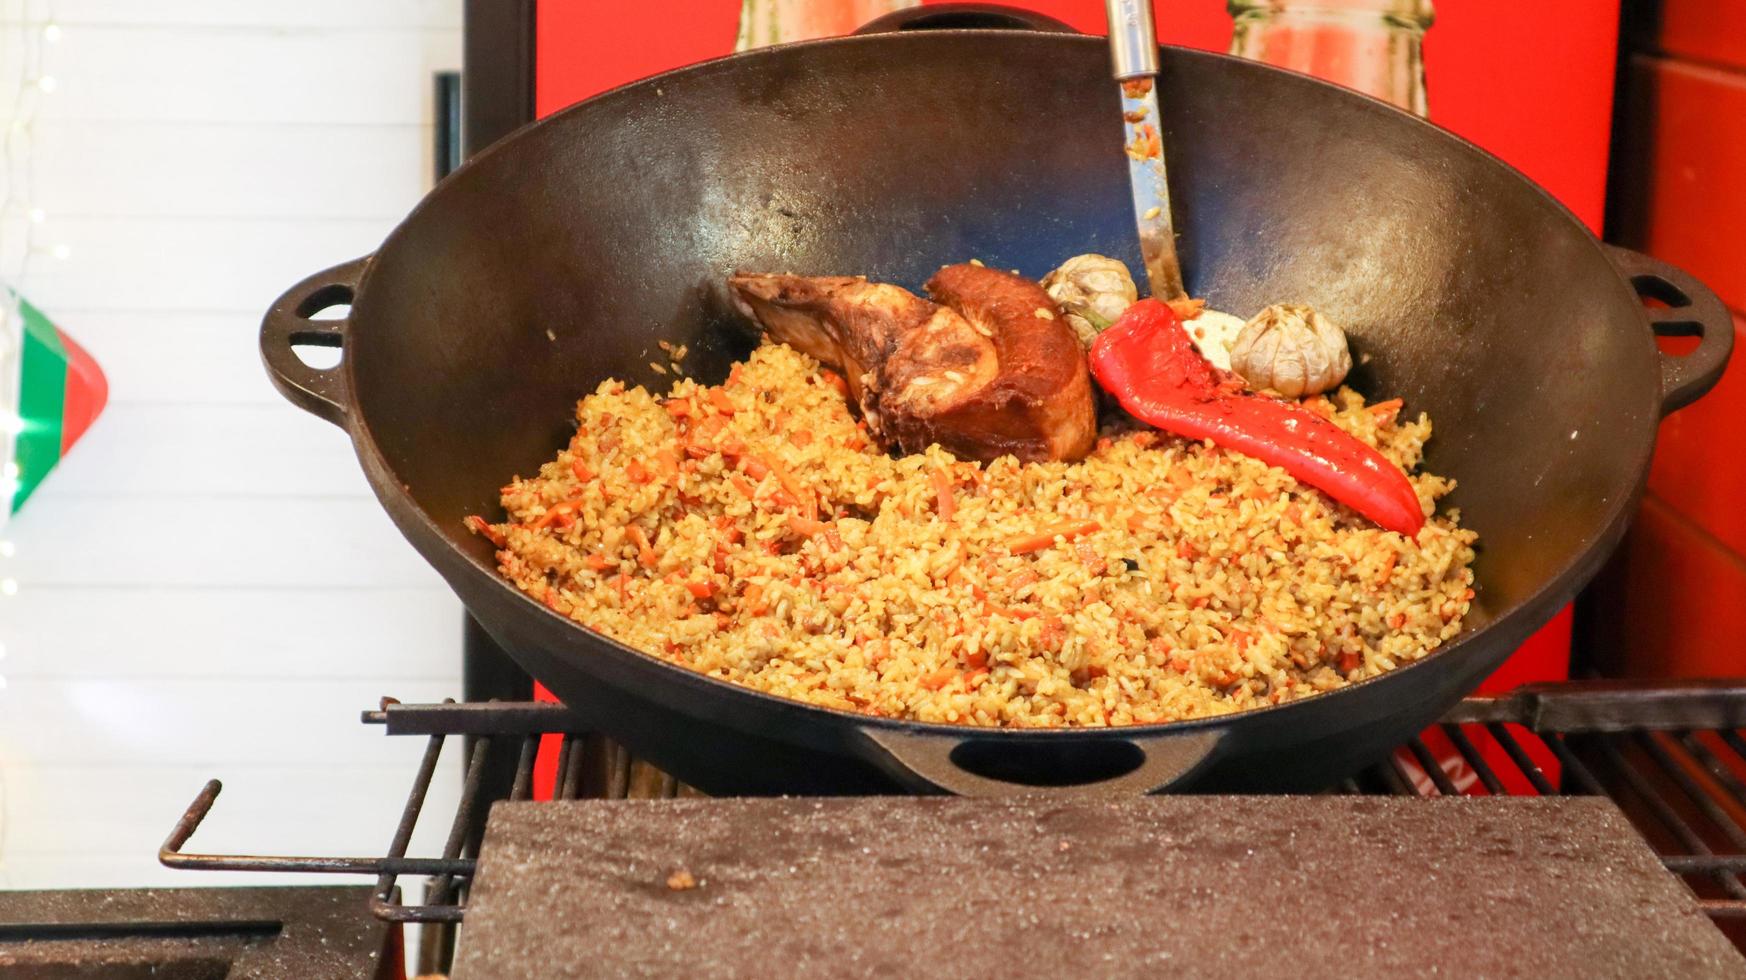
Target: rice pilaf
{"x": 753, "y": 532}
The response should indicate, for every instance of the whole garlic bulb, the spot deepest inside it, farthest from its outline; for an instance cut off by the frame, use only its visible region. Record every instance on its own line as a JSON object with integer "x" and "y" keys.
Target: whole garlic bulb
{"x": 1293, "y": 350}
{"x": 1093, "y": 291}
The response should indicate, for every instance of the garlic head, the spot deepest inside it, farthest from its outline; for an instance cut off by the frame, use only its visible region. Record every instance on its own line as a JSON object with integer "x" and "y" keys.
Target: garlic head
{"x": 1292, "y": 350}
{"x": 1092, "y": 290}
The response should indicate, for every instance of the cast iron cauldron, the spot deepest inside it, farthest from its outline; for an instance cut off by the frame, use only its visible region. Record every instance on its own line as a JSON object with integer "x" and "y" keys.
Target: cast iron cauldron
{"x": 560, "y": 256}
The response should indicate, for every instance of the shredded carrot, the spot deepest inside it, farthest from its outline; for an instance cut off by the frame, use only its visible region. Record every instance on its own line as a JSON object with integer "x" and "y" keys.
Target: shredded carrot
{"x": 701, "y": 590}
{"x": 666, "y": 463}
{"x": 678, "y": 407}
{"x": 581, "y": 470}
{"x": 480, "y": 526}
{"x": 800, "y": 438}
{"x": 598, "y": 562}
{"x": 1387, "y": 568}
{"x": 1136, "y": 522}
{"x": 1025, "y": 544}
{"x": 754, "y": 467}
{"x": 742, "y": 486}
{"x": 557, "y": 511}
{"x": 1294, "y": 514}
{"x": 1185, "y": 548}
{"x": 755, "y": 599}
{"x": 836, "y": 381}
{"x": 645, "y": 554}
{"x": 1386, "y": 410}
{"x": 637, "y": 472}
{"x": 622, "y": 583}
{"x": 723, "y": 404}
{"x": 938, "y": 679}
{"x": 804, "y": 526}
{"x": 733, "y": 374}
{"x": 943, "y": 490}
{"x": 1180, "y": 476}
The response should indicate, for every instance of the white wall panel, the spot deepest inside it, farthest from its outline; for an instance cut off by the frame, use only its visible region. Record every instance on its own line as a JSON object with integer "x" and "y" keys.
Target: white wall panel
{"x": 205, "y": 586}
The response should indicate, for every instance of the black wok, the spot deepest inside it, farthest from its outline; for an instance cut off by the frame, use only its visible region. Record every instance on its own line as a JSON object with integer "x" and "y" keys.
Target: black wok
{"x": 562, "y": 254}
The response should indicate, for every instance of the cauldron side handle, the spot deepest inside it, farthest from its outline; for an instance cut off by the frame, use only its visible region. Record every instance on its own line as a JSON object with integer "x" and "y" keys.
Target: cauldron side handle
{"x": 1692, "y": 310}
{"x": 325, "y": 392}
{"x": 932, "y": 763}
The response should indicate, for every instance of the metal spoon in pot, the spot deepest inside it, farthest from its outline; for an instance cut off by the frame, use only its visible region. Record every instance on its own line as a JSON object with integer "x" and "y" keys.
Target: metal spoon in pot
{"x": 1133, "y": 48}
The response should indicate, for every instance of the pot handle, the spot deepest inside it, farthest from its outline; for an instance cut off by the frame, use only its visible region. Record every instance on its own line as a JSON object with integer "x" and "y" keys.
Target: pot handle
{"x": 1139, "y": 764}
{"x": 964, "y": 16}
{"x": 1692, "y": 310}
{"x": 320, "y": 391}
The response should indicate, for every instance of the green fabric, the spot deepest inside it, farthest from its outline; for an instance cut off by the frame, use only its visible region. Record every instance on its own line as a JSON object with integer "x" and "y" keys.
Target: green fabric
{"x": 42, "y": 400}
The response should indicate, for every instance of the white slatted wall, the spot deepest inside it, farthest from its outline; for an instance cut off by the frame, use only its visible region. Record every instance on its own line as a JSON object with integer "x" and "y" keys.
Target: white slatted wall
{"x": 206, "y": 587}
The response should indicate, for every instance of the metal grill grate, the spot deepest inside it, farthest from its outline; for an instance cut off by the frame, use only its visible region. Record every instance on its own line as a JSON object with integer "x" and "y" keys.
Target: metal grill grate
{"x": 1671, "y": 755}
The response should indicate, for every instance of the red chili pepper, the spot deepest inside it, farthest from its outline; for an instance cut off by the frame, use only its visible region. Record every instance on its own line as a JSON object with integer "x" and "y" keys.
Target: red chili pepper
{"x": 1148, "y": 363}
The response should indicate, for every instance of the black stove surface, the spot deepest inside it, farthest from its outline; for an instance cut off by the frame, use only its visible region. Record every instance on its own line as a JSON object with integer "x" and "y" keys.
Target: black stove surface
{"x": 194, "y": 934}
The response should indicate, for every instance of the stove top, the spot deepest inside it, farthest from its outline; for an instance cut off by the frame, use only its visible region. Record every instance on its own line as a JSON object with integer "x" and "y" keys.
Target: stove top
{"x": 195, "y": 934}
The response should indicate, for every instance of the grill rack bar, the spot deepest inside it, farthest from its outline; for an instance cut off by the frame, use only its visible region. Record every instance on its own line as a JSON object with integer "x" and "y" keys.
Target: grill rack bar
{"x": 1661, "y": 750}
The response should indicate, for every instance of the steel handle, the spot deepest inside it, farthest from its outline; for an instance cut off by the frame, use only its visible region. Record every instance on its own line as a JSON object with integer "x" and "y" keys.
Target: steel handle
{"x": 289, "y": 324}
{"x": 1692, "y": 310}
{"x": 964, "y": 16}
{"x": 971, "y": 765}
{"x": 1133, "y": 38}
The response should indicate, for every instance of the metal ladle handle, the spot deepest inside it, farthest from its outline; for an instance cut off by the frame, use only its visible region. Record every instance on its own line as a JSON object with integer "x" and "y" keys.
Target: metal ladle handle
{"x": 1133, "y": 38}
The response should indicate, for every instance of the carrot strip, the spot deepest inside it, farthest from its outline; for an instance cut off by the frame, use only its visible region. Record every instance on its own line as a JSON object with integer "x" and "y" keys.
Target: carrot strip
{"x": 755, "y": 599}
{"x": 836, "y": 381}
{"x": 721, "y": 401}
{"x": 800, "y": 438}
{"x": 938, "y": 679}
{"x": 742, "y": 486}
{"x": 480, "y": 526}
{"x": 701, "y": 590}
{"x": 637, "y": 472}
{"x": 557, "y": 511}
{"x": 678, "y": 408}
{"x": 645, "y": 554}
{"x": 1025, "y": 544}
{"x": 806, "y": 527}
{"x": 754, "y": 467}
{"x": 598, "y": 562}
{"x": 943, "y": 490}
{"x": 581, "y": 470}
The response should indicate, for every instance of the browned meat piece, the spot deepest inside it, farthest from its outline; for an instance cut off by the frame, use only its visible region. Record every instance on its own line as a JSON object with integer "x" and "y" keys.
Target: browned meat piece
{"x": 994, "y": 371}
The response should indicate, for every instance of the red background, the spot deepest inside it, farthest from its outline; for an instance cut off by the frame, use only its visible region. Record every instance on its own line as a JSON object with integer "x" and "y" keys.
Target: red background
{"x": 1532, "y": 83}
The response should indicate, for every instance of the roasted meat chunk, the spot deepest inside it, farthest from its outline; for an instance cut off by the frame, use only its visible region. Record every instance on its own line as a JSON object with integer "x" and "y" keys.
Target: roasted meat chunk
{"x": 989, "y": 368}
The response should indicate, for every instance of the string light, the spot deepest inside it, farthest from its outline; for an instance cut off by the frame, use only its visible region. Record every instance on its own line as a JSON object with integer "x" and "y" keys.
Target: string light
{"x": 38, "y": 216}
{"x": 51, "y": 32}
{"x": 8, "y": 586}
{"x": 11, "y": 423}
{"x": 48, "y": 84}
{"x": 62, "y": 252}
{"x": 8, "y": 549}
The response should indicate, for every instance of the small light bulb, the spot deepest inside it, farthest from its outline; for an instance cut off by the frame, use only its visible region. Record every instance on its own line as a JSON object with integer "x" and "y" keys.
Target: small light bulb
{"x": 38, "y": 216}
{"x": 48, "y": 84}
{"x": 10, "y": 423}
{"x": 9, "y": 471}
{"x": 51, "y": 32}
{"x": 62, "y": 252}
{"x": 8, "y": 586}
{"x": 8, "y": 487}
{"x": 8, "y": 549}
{"x": 2, "y": 682}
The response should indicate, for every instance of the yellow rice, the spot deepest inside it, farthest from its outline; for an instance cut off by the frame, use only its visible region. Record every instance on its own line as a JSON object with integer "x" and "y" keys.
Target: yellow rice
{"x": 1211, "y": 582}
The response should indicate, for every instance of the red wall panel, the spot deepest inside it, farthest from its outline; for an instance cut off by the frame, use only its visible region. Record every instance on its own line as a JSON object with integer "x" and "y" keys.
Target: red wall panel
{"x": 1531, "y": 83}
